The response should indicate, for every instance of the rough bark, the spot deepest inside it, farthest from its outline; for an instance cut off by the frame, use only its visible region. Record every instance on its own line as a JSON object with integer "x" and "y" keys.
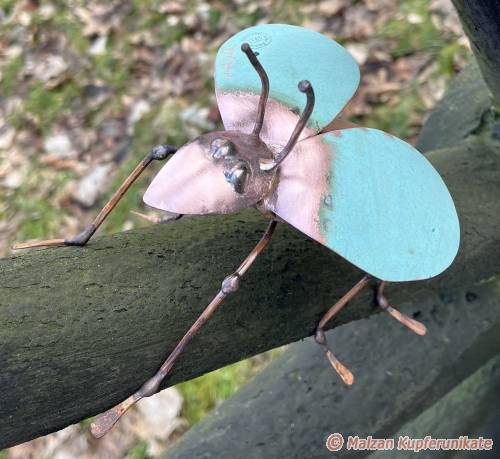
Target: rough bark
{"x": 82, "y": 328}
{"x": 459, "y": 113}
{"x": 481, "y": 22}
{"x": 470, "y": 409}
{"x": 289, "y": 409}
{"x": 292, "y": 406}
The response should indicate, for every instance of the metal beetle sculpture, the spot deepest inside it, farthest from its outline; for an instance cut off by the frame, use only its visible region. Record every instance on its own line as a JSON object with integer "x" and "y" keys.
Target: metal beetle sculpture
{"x": 364, "y": 194}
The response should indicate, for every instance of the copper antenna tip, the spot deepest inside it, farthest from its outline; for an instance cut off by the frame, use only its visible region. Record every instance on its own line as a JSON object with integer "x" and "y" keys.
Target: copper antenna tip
{"x": 245, "y": 47}
{"x": 304, "y": 85}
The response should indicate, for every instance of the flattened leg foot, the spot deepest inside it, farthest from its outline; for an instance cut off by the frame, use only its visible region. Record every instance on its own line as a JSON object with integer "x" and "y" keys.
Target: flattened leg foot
{"x": 414, "y": 325}
{"x": 320, "y": 337}
{"x": 344, "y": 372}
{"x": 46, "y": 243}
{"x": 79, "y": 240}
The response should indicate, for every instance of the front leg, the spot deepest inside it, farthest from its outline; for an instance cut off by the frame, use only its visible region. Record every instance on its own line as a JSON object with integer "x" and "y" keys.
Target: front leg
{"x": 158, "y": 153}
{"x": 230, "y": 284}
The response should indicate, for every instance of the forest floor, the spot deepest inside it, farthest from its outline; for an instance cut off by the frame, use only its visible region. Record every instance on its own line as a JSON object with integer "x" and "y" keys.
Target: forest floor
{"x": 87, "y": 88}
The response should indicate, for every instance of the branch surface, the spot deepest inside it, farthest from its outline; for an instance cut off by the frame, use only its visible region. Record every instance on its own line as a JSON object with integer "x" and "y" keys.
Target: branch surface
{"x": 82, "y": 328}
{"x": 481, "y": 22}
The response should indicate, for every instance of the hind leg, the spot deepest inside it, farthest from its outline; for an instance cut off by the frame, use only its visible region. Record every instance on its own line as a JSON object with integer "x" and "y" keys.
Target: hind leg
{"x": 320, "y": 337}
{"x": 415, "y": 326}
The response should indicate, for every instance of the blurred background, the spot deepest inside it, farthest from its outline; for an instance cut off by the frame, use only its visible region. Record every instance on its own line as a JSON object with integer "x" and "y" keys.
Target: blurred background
{"x": 87, "y": 88}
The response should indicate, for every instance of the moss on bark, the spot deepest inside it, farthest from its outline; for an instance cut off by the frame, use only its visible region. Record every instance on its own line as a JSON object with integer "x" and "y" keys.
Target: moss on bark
{"x": 81, "y": 328}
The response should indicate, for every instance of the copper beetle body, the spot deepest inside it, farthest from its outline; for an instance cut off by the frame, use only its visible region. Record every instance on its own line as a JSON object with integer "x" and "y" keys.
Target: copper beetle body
{"x": 217, "y": 173}
{"x": 308, "y": 171}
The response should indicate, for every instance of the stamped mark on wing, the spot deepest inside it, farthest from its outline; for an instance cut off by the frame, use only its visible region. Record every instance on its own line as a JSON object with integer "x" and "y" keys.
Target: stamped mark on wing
{"x": 258, "y": 40}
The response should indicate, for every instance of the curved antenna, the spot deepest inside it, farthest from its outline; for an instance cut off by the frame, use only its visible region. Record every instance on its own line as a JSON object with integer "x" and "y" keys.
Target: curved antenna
{"x": 245, "y": 47}
{"x": 304, "y": 86}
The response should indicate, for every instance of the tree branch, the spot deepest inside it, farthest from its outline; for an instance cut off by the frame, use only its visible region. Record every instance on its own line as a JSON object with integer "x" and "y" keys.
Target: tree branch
{"x": 481, "y": 22}
{"x": 398, "y": 375}
{"x": 81, "y": 328}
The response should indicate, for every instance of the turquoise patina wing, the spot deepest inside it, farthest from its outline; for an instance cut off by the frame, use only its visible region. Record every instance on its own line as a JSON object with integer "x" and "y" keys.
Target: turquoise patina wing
{"x": 288, "y": 54}
{"x": 373, "y": 199}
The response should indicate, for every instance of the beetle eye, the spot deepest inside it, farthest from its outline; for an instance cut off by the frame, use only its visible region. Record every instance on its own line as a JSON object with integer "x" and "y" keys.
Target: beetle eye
{"x": 221, "y": 147}
{"x": 237, "y": 177}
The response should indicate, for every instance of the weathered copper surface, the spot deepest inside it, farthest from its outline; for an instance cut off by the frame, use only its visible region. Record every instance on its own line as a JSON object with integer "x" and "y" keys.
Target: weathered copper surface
{"x": 289, "y": 54}
{"x": 303, "y": 178}
{"x": 194, "y": 182}
{"x": 362, "y": 193}
{"x": 414, "y": 325}
{"x": 240, "y": 110}
{"x": 305, "y": 87}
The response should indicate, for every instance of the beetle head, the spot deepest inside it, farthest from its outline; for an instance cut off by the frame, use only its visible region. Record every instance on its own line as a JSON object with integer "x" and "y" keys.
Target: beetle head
{"x": 236, "y": 169}
{"x": 216, "y": 173}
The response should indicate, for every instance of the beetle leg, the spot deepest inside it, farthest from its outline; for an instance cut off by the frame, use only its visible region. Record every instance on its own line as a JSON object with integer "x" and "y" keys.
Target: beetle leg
{"x": 105, "y": 421}
{"x": 418, "y": 327}
{"x": 157, "y": 219}
{"x": 159, "y": 153}
{"x": 320, "y": 336}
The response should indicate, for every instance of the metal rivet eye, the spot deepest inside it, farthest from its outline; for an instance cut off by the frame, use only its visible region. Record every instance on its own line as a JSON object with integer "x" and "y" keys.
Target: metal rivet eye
{"x": 221, "y": 147}
{"x": 237, "y": 177}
